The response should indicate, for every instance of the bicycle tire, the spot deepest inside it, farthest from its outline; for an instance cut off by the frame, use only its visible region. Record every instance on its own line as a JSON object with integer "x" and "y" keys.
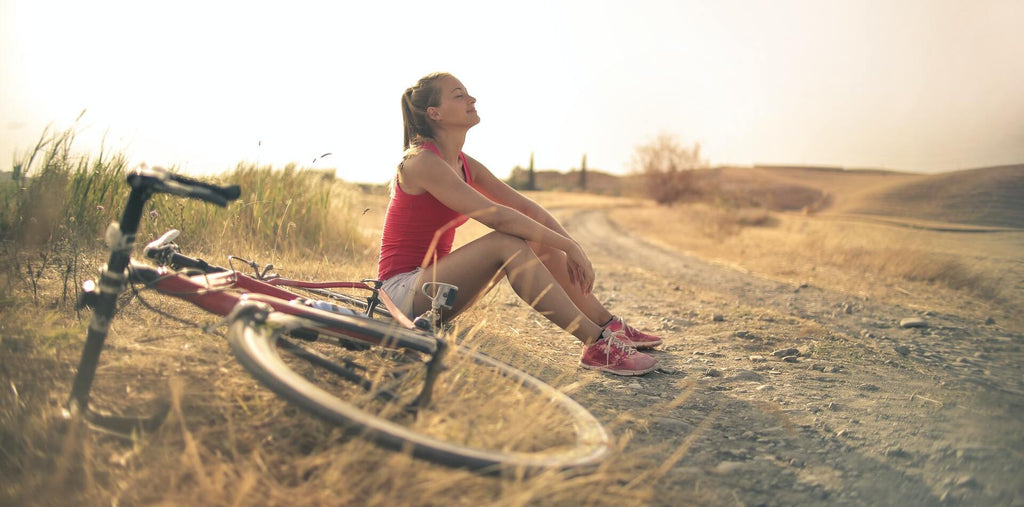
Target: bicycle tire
{"x": 254, "y": 334}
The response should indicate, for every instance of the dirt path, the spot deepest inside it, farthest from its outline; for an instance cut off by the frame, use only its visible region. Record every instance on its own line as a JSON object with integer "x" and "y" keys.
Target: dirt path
{"x": 859, "y": 410}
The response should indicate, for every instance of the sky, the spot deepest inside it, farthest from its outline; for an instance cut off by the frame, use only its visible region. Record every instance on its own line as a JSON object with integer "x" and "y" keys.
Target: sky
{"x": 912, "y": 85}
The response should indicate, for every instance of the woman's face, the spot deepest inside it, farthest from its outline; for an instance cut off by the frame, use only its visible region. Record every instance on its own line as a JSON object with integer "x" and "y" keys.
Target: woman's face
{"x": 458, "y": 107}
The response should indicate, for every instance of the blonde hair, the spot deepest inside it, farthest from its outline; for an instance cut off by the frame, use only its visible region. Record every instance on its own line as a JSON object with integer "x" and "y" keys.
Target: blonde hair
{"x": 415, "y": 101}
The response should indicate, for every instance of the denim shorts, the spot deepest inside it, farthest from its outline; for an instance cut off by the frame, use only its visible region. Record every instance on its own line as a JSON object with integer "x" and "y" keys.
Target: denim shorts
{"x": 402, "y": 291}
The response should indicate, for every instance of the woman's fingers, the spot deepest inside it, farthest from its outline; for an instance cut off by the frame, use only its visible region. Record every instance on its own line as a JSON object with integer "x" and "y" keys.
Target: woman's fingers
{"x": 585, "y": 277}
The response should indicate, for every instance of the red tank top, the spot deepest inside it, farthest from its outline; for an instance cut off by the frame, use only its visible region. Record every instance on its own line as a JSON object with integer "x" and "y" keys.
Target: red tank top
{"x": 410, "y": 225}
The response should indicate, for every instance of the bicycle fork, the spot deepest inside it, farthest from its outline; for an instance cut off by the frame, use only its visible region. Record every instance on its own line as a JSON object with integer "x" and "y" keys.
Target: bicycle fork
{"x": 120, "y": 238}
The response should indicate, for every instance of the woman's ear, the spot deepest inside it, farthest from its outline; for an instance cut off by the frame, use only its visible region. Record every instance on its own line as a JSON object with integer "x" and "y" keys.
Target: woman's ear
{"x": 433, "y": 113}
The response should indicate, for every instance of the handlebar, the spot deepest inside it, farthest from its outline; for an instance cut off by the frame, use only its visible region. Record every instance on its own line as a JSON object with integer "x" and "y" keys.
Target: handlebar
{"x": 160, "y": 180}
{"x": 165, "y": 252}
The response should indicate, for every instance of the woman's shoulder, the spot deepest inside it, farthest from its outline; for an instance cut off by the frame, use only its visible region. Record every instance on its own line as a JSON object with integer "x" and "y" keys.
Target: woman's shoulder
{"x": 417, "y": 157}
{"x": 418, "y": 165}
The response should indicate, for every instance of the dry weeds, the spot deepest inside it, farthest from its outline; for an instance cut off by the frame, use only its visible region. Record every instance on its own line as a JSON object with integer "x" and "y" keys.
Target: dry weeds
{"x": 228, "y": 441}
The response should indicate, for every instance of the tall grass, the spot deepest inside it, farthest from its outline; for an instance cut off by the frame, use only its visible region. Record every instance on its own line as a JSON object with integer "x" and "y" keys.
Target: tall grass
{"x": 58, "y": 203}
{"x": 227, "y": 441}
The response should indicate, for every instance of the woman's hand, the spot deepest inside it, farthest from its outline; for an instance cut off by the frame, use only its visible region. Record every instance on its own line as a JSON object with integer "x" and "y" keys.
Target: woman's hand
{"x": 581, "y": 272}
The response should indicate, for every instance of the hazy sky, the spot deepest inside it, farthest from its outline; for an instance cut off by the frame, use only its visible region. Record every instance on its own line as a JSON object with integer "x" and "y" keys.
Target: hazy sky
{"x": 926, "y": 86}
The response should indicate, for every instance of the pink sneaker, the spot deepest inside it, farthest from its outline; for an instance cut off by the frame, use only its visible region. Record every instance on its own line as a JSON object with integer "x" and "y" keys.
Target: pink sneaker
{"x": 639, "y": 339}
{"x": 612, "y": 353}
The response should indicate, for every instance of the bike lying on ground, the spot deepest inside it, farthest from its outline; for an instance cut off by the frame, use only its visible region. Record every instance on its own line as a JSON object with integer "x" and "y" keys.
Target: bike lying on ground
{"x": 386, "y": 379}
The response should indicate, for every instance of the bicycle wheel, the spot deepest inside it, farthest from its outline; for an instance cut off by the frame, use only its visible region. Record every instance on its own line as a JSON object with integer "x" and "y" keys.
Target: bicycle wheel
{"x": 483, "y": 415}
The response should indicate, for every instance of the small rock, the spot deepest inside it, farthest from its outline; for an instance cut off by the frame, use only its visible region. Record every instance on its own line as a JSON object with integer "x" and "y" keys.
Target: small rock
{"x": 902, "y": 349}
{"x": 757, "y": 359}
{"x": 896, "y": 452}
{"x": 764, "y": 387}
{"x": 636, "y": 386}
{"x": 791, "y": 359}
{"x": 989, "y": 321}
{"x": 833, "y": 369}
{"x": 718, "y": 317}
{"x": 867, "y": 387}
{"x": 785, "y": 352}
{"x": 913, "y": 322}
{"x": 726, "y": 467}
{"x": 743, "y": 334}
{"x": 818, "y": 367}
{"x": 967, "y": 481}
{"x": 711, "y": 372}
{"x": 670, "y": 423}
{"x": 745, "y": 376}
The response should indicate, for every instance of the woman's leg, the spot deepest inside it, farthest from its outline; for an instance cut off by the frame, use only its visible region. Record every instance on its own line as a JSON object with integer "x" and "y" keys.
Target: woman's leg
{"x": 588, "y": 303}
{"x": 554, "y": 260}
{"x": 476, "y": 266}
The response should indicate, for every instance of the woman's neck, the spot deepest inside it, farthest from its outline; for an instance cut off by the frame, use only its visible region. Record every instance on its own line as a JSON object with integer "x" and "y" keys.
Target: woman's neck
{"x": 450, "y": 145}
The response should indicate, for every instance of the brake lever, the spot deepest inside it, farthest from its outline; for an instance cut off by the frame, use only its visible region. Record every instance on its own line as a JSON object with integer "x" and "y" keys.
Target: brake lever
{"x": 163, "y": 241}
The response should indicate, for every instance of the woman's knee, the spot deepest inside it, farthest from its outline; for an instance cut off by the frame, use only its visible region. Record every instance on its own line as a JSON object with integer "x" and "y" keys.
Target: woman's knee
{"x": 546, "y": 253}
{"x": 506, "y": 243}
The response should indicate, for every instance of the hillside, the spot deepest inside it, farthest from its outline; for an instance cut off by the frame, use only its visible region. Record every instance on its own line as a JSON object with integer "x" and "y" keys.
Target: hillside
{"x": 989, "y": 197}
{"x": 984, "y": 197}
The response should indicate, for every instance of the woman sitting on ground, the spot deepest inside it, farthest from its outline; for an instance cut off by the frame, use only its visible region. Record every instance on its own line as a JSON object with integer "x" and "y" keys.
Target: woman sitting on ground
{"x": 438, "y": 188}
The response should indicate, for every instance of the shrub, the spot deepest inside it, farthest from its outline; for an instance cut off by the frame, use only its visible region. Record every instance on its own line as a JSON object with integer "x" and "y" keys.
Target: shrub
{"x": 667, "y": 169}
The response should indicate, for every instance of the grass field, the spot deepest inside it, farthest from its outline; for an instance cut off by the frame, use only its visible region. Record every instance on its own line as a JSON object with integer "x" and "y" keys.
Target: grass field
{"x": 229, "y": 442}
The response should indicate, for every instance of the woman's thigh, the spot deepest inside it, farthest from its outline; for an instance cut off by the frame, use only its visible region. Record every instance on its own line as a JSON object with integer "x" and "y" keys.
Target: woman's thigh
{"x": 472, "y": 268}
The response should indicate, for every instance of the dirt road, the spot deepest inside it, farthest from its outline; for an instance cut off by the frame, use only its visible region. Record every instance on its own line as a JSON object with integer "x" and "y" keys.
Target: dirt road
{"x": 777, "y": 394}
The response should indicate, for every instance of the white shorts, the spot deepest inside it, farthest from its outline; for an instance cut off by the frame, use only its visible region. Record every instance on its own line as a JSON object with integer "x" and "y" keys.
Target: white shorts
{"x": 401, "y": 289}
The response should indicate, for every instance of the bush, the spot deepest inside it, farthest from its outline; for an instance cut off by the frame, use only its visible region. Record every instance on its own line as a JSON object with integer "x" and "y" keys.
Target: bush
{"x": 667, "y": 169}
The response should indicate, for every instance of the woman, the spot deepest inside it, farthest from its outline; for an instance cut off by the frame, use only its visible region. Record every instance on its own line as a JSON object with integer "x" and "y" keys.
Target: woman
{"x": 438, "y": 188}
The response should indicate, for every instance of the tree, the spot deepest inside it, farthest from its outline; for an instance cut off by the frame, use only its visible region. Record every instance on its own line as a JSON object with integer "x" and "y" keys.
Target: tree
{"x": 531, "y": 184}
{"x": 666, "y": 168}
{"x": 583, "y": 173}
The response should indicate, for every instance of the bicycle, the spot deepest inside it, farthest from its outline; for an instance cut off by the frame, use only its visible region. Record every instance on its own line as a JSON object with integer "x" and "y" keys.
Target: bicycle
{"x": 397, "y": 405}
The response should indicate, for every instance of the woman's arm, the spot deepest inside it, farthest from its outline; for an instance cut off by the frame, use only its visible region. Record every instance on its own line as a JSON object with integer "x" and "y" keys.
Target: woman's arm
{"x": 428, "y": 173}
{"x": 499, "y": 192}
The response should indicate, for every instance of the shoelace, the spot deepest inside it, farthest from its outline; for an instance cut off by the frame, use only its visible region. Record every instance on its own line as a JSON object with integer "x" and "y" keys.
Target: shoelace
{"x": 615, "y": 341}
{"x": 625, "y": 327}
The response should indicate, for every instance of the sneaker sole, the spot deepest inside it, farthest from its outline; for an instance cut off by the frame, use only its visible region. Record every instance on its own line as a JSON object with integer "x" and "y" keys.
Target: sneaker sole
{"x": 623, "y": 373}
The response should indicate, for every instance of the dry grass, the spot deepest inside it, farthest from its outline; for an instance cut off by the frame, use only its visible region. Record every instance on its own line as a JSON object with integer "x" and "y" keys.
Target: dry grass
{"x": 861, "y": 258}
{"x": 228, "y": 441}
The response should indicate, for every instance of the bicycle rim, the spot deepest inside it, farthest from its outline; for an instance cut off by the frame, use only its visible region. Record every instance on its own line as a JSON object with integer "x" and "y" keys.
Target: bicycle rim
{"x": 485, "y": 415}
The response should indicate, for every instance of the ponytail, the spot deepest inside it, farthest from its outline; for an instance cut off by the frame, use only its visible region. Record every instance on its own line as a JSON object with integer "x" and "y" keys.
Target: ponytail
{"x": 415, "y": 101}
{"x": 408, "y": 119}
